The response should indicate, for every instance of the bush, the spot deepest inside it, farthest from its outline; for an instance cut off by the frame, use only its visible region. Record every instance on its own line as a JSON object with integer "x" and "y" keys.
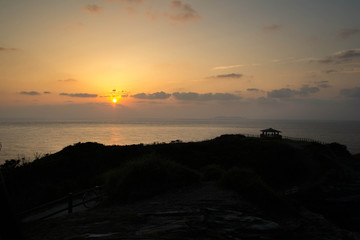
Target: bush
{"x": 250, "y": 186}
{"x": 213, "y": 172}
{"x": 146, "y": 177}
{"x": 244, "y": 181}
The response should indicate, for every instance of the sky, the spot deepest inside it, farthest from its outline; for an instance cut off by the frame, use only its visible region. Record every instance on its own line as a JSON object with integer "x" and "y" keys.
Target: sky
{"x": 125, "y": 59}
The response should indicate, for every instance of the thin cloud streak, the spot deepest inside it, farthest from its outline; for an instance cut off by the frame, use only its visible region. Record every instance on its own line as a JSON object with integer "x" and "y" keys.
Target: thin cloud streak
{"x": 67, "y": 80}
{"x": 345, "y": 56}
{"x": 30, "y": 93}
{"x": 284, "y": 93}
{"x": 192, "y": 96}
{"x": 330, "y": 71}
{"x": 79, "y": 95}
{"x": 323, "y": 84}
{"x": 126, "y": 1}
{"x": 235, "y": 66}
{"x": 182, "y": 12}
{"x": 348, "y": 70}
{"x": 272, "y": 28}
{"x": 227, "y": 76}
{"x": 347, "y": 33}
{"x": 178, "y": 12}
{"x": 4, "y": 49}
{"x": 230, "y": 75}
{"x": 93, "y": 8}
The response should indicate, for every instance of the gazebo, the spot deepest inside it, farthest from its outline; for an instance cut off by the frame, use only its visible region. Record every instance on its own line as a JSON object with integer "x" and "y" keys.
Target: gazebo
{"x": 270, "y": 133}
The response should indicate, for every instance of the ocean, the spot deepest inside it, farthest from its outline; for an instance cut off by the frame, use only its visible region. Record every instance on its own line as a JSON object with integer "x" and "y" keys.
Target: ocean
{"x": 29, "y": 139}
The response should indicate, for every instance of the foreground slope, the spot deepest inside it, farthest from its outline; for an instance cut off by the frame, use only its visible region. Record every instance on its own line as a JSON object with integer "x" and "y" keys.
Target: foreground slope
{"x": 280, "y": 177}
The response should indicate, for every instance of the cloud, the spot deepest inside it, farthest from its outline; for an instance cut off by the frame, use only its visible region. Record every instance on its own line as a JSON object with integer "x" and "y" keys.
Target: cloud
{"x": 345, "y": 56}
{"x": 67, "y": 80}
{"x": 93, "y": 8}
{"x": 228, "y": 67}
{"x": 323, "y": 84}
{"x": 3, "y": 49}
{"x": 132, "y": 1}
{"x": 330, "y": 71}
{"x": 182, "y": 12}
{"x": 351, "y": 70}
{"x": 272, "y": 28}
{"x": 253, "y": 89}
{"x": 305, "y": 90}
{"x": 289, "y": 93}
{"x": 152, "y": 96}
{"x": 281, "y": 93}
{"x": 116, "y": 94}
{"x": 192, "y": 96}
{"x": 346, "y": 33}
{"x": 235, "y": 66}
{"x": 124, "y": 93}
{"x": 126, "y": 1}
{"x": 343, "y": 70}
{"x": 31, "y": 93}
{"x": 47, "y": 92}
{"x": 230, "y": 75}
{"x": 79, "y": 95}
{"x": 178, "y": 11}
{"x": 351, "y": 92}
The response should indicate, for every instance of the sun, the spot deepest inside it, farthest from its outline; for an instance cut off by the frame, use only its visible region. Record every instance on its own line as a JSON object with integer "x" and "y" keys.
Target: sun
{"x": 114, "y": 100}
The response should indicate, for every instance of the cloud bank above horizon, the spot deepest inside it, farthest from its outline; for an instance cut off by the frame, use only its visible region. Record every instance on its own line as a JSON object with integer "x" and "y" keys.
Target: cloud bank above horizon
{"x": 257, "y": 59}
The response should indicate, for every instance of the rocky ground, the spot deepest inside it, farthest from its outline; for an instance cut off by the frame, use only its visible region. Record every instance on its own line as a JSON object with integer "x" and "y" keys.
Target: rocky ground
{"x": 203, "y": 211}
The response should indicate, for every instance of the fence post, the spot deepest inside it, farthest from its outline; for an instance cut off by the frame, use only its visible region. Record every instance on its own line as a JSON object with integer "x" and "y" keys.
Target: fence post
{"x": 70, "y": 203}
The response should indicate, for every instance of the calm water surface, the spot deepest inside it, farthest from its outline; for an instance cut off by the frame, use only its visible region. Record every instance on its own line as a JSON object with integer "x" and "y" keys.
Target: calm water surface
{"x": 28, "y": 138}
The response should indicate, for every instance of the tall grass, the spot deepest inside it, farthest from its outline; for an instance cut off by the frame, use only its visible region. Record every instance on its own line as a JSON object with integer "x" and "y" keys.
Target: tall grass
{"x": 213, "y": 172}
{"x": 250, "y": 186}
{"x": 147, "y": 176}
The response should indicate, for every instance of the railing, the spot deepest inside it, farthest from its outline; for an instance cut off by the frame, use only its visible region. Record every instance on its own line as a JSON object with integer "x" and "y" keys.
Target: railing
{"x": 304, "y": 140}
{"x": 88, "y": 198}
{"x": 290, "y": 138}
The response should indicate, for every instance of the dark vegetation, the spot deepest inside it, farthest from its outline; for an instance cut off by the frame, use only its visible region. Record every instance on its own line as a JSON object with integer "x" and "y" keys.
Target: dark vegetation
{"x": 146, "y": 177}
{"x": 279, "y": 176}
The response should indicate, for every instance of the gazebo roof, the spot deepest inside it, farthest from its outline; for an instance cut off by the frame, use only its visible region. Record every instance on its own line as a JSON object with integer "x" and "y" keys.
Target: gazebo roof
{"x": 270, "y": 130}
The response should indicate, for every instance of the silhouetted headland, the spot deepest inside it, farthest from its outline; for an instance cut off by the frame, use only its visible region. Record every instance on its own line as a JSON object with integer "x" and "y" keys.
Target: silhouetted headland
{"x": 299, "y": 190}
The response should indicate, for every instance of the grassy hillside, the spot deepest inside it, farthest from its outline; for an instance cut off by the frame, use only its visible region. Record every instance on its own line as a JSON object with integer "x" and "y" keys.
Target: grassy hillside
{"x": 261, "y": 170}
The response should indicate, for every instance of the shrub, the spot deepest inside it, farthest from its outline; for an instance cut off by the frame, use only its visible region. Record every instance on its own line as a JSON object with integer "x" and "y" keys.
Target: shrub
{"x": 213, "y": 172}
{"x": 146, "y": 177}
{"x": 250, "y": 186}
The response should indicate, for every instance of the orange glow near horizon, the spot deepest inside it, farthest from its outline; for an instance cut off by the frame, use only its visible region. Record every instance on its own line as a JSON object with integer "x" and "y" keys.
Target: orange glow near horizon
{"x": 135, "y": 62}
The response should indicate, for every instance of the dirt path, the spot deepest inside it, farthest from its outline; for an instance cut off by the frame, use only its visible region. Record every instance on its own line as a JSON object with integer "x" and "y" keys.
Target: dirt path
{"x": 199, "y": 212}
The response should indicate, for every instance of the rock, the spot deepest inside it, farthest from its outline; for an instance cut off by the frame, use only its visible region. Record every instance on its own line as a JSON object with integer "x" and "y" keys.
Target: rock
{"x": 259, "y": 224}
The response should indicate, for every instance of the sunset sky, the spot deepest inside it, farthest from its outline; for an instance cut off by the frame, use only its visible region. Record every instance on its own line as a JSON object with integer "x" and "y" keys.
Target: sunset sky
{"x": 276, "y": 59}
